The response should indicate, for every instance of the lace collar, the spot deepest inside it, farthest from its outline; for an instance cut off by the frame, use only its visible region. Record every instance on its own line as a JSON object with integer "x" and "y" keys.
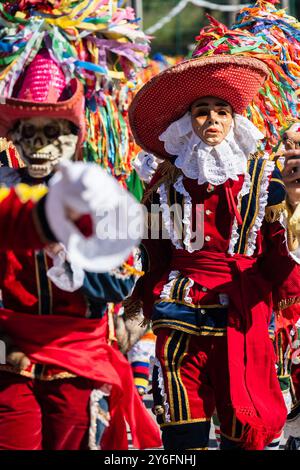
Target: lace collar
{"x": 205, "y": 163}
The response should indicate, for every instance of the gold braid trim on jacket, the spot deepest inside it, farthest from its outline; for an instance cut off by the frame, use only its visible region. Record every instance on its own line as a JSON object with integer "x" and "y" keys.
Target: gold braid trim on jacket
{"x": 5, "y": 146}
{"x": 286, "y": 303}
{"x": 273, "y": 213}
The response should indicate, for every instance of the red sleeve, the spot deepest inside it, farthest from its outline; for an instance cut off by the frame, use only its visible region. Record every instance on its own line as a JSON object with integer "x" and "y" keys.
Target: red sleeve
{"x": 282, "y": 271}
{"x": 21, "y": 225}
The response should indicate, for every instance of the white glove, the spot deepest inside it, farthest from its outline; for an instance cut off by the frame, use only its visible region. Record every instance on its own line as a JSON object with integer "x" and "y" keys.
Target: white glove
{"x": 66, "y": 276}
{"x": 117, "y": 217}
{"x": 145, "y": 164}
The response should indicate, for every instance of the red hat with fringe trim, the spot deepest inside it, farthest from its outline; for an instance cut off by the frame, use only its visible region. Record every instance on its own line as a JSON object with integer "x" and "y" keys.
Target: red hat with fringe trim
{"x": 169, "y": 95}
{"x": 42, "y": 91}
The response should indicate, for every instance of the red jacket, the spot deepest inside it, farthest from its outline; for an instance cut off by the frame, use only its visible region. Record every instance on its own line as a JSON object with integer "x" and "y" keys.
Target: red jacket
{"x": 245, "y": 256}
{"x": 66, "y": 339}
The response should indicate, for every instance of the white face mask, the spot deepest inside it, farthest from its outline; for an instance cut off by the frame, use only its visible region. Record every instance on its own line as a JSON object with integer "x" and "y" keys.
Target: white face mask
{"x": 43, "y": 142}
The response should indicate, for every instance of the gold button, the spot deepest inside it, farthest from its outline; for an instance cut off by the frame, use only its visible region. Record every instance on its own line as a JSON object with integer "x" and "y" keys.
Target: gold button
{"x": 204, "y": 289}
{"x": 207, "y": 238}
{"x": 202, "y": 311}
{"x": 208, "y": 212}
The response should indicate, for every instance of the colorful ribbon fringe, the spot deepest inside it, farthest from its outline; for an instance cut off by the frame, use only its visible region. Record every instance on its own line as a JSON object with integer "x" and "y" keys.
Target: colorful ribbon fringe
{"x": 272, "y": 36}
{"x": 155, "y": 65}
{"x": 98, "y": 41}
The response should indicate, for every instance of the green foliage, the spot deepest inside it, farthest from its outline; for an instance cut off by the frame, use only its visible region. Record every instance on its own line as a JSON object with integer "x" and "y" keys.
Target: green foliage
{"x": 295, "y": 8}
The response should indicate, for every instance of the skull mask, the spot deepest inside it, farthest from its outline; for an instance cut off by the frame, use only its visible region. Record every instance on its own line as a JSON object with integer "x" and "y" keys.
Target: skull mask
{"x": 43, "y": 142}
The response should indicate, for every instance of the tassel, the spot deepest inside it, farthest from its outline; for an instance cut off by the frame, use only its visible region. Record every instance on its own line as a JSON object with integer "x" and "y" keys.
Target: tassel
{"x": 130, "y": 270}
{"x": 255, "y": 435}
{"x": 256, "y": 439}
{"x": 273, "y": 213}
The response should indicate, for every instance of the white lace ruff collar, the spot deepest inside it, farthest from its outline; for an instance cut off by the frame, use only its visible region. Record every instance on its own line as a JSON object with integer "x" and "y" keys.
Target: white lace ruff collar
{"x": 205, "y": 163}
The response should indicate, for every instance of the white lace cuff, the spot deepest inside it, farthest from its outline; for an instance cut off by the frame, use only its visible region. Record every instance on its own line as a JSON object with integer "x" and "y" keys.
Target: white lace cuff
{"x": 65, "y": 275}
{"x": 145, "y": 164}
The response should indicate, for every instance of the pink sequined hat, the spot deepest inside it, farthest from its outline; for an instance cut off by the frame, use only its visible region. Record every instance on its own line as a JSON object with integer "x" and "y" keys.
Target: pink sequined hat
{"x": 169, "y": 95}
{"x": 42, "y": 91}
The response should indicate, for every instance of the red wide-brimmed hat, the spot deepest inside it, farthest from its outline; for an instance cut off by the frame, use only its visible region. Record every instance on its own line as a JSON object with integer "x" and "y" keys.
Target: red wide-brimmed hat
{"x": 169, "y": 95}
{"x": 42, "y": 91}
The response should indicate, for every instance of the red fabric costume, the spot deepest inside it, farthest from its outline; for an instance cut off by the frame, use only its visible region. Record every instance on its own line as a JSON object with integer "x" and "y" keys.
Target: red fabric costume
{"x": 255, "y": 286}
{"x": 65, "y": 334}
{"x": 228, "y": 287}
{"x": 70, "y": 344}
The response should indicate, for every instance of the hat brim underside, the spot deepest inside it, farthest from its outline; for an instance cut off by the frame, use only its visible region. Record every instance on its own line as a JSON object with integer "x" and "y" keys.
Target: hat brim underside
{"x": 169, "y": 95}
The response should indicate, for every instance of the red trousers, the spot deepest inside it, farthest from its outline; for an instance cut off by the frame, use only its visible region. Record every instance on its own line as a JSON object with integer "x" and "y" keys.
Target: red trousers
{"x": 192, "y": 382}
{"x": 48, "y": 415}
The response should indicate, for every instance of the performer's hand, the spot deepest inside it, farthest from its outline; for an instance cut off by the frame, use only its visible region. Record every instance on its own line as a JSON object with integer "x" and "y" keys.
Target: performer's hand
{"x": 291, "y": 176}
{"x": 14, "y": 357}
{"x": 145, "y": 164}
{"x": 18, "y": 359}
